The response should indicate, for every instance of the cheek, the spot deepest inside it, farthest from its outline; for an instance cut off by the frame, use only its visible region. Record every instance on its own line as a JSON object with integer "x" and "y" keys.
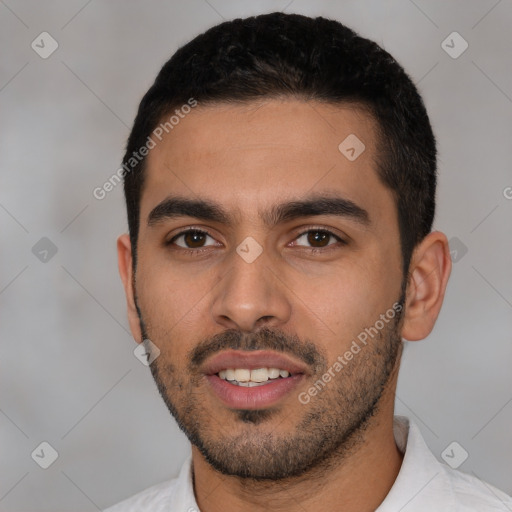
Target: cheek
{"x": 338, "y": 306}
{"x": 340, "y": 303}
{"x": 172, "y": 300}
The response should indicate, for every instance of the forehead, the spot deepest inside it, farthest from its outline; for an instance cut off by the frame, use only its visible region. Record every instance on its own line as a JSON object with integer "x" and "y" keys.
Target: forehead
{"x": 250, "y": 156}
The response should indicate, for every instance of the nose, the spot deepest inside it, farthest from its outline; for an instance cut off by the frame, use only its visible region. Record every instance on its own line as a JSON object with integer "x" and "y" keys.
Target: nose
{"x": 250, "y": 295}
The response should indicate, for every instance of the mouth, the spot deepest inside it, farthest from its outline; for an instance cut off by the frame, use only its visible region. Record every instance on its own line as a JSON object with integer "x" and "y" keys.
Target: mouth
{"x": 252, "y": 379}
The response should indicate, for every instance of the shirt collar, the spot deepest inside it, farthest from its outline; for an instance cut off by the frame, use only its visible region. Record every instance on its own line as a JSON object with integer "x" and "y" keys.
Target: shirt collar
{"x": 417, "y": 481}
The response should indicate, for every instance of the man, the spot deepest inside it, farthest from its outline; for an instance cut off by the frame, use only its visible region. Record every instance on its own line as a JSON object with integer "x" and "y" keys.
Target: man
{"x": 280, "y": 184}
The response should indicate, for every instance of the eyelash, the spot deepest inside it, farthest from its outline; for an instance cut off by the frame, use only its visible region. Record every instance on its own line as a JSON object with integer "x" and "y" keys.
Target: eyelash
{"x": 200, "y": 250}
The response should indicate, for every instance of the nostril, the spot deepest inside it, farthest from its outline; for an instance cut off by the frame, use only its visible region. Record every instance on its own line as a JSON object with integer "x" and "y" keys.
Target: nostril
{"x": 264, "y": 319}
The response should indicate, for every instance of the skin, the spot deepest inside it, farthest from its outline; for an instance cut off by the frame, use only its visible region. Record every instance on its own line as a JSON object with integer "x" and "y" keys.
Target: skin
{"x": 248, "y": 158}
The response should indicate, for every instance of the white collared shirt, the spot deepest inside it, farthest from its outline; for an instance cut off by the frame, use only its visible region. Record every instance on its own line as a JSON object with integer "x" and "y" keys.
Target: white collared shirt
{"x": 423, "y": 485}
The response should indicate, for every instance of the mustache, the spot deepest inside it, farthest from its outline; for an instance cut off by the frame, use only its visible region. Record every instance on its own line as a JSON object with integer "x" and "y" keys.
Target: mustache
{"x": 263, "y": 339}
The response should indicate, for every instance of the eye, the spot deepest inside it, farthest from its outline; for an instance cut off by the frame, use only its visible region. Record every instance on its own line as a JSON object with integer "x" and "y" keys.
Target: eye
{"x": 318, "y": 238}
{"x": 191, "y": 239}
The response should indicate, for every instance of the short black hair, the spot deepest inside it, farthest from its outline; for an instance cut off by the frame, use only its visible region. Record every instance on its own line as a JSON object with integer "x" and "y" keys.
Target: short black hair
{"x": 282, "y": 55}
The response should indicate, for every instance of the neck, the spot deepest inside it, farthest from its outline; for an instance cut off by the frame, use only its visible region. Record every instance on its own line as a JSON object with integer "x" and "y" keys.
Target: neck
{"x": 356, "y": 480}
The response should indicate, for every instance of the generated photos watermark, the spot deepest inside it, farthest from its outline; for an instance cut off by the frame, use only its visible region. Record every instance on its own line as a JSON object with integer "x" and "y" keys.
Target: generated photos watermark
{"x": 101, "y": 192}
{"x": 343, "y": 360}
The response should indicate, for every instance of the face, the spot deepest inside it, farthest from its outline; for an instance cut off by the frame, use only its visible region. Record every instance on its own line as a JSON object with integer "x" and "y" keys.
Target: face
{"x": 262, "y": 245}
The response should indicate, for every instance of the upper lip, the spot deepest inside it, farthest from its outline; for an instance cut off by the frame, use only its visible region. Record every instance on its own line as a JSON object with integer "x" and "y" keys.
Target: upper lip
{"x": 251, "y": 360}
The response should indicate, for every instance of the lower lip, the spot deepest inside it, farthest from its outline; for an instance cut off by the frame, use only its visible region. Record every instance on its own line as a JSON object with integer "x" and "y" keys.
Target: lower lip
{"x": 240, "y": 397}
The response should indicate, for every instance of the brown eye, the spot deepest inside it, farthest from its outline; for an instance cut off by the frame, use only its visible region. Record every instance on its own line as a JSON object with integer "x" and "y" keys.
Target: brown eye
{"x": 191, "y": 239}
{"x": 194, "y": 239}
{"x": 317, "y": 238}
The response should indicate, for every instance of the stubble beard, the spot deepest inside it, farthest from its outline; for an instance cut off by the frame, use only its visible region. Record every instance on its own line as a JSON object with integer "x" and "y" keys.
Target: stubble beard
{"x": 247, "y": 443}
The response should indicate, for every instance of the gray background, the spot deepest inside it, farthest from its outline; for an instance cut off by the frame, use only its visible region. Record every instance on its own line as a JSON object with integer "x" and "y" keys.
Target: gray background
{"x": 68, "y": 373}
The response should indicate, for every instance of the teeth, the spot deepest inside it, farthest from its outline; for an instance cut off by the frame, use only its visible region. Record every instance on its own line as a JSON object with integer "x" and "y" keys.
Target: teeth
{"x": 242, "y": 375}
{"x": 259, "y": 375}
{"x": 273, "y": 373}
{"x": 251, "y": 378}
{"x": 249, "y": 384}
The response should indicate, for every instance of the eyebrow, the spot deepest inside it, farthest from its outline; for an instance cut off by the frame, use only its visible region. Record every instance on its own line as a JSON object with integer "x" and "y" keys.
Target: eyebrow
{"x": 206, "y": 210}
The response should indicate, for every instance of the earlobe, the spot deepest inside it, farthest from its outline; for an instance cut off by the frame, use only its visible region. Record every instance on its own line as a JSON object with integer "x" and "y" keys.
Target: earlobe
{"x": 124, "y": 260}
{"x": 429, "y": 272}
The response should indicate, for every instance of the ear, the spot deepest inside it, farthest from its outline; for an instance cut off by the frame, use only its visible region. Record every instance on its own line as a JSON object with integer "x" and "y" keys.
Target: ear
{"x": 124, "y": 260}
{"x": 429, "y": 271}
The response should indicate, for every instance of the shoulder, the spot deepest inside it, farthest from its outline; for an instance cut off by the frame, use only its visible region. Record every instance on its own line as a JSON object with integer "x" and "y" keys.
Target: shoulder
{"x": 177, "y": 493}
{"x": 154, "y": 499}
{"x": 470, "y": 493}
{"x": 425, "y": 484}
